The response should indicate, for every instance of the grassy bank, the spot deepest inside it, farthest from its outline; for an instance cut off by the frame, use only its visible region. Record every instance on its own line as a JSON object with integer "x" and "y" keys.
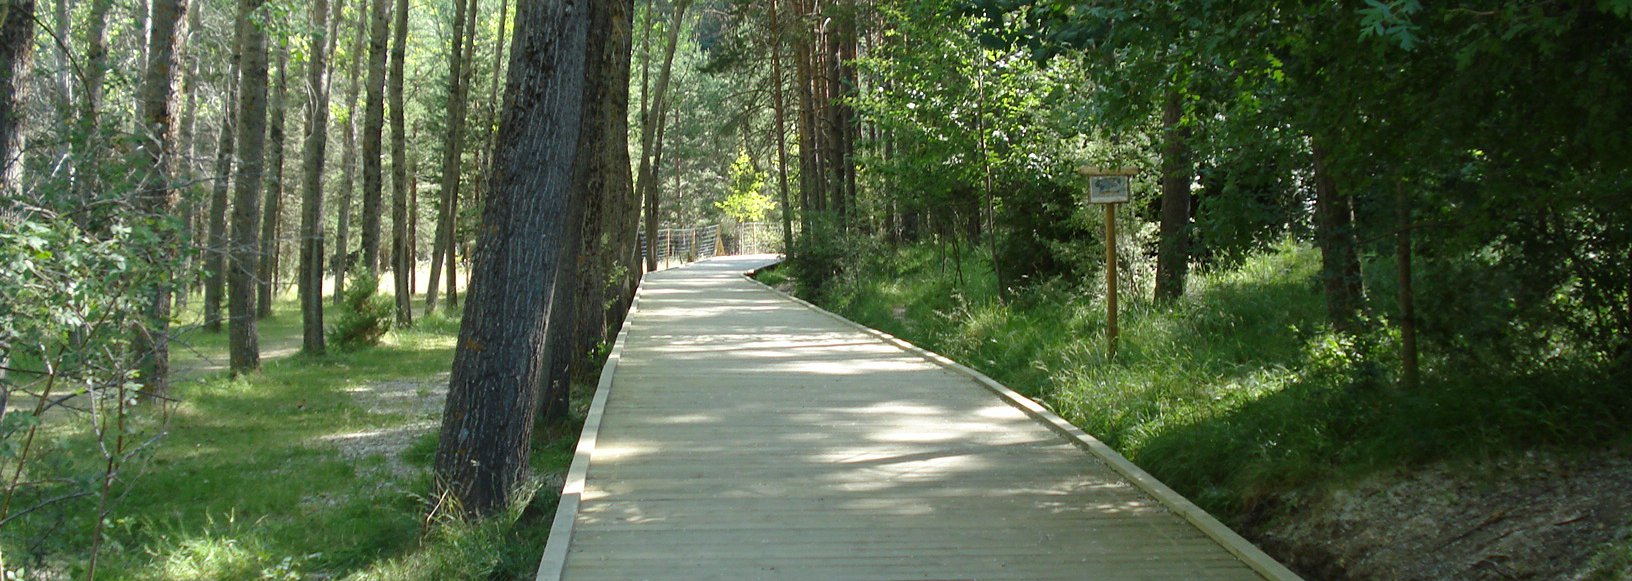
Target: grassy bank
{"x": 312, "y": 468}
{"x": 1237, "y": 393}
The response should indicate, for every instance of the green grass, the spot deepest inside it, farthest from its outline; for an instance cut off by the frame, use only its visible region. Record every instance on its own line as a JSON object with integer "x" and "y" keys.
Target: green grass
{"x": 1236, "y": 394}
{"x": 249, "y": 483}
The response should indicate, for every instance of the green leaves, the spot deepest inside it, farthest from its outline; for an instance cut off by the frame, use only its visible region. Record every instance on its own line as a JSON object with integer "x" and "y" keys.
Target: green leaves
{"x": 1391, "y": 21}
{"x": 746, "y": 201}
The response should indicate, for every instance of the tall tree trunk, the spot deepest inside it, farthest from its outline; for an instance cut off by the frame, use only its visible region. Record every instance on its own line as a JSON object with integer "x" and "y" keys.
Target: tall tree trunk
{"x": 373, "y": 130}
{"x": 983, "y": 127}
{"x": 578, "y": 324}
{"x": 651, "y": 143}
{"x": 402, "y": 261}
{"x": 215, "y": 253}
{"x": 1408, "y": 299}
{"x": 1339, "y": 259}
{"x": 312, "y": 153}
{"x": 806, "y": 130}
{"x": 16, "y": 54}
{"x": 1173, "y": 254}
{"x": 452, "y": 145}
{"x": 500, "y": 360}
{"x": 88, "y": 160}
{"x": 242, "y": 339}
{"x": 833, "y": 144}
{"x": 188, "y": 168}
{"x": 348, "y": 156}
{"x": 159, "y": 196}
{"x": 779, "y": 112}
{"x": 623, "y": 211}
{"x": 469, "y": 58}
{"x": 273, "y": 209}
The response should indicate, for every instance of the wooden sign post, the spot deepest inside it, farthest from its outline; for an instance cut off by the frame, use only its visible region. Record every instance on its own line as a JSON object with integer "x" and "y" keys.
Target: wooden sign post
{"x": 1108, "y": 187}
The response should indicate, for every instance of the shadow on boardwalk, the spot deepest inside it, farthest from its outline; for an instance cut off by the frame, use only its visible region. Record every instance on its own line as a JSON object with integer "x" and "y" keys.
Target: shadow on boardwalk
{"x": 745, "y": 435}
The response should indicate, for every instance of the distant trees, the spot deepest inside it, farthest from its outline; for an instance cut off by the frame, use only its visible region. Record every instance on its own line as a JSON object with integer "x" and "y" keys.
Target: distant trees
{"x": 453, "y": 145}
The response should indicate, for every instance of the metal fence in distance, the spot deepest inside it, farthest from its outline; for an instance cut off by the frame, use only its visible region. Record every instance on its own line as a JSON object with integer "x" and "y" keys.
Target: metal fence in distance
{"x": 683, "y": 245}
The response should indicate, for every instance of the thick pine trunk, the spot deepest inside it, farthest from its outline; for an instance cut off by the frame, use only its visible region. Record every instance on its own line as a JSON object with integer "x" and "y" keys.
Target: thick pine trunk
{"x": 1173, "y": 254}
{"x": 159, "y": 197}
{"x": 242, "y": 340}
{"x": 501, "y": 358}
{"x": 311, "y": 210}
{"x": 1334, "y": 232}
{"x": 619, "y": 192}
{"x": 273, "y": 209}
{"x": 373, "y": 130}
{"x": 578, "y": 325}
{"x": 402, "y": 262}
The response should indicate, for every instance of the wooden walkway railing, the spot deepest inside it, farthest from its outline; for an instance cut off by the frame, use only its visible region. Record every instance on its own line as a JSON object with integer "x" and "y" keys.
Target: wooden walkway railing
{"x": 739, "y": 433}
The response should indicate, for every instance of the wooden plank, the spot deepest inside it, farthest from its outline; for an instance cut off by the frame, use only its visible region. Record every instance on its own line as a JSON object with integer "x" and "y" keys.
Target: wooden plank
{"x": 554, "y": 561}
{"x": 1240, "y": 547}
{"x": 745, "y": 435}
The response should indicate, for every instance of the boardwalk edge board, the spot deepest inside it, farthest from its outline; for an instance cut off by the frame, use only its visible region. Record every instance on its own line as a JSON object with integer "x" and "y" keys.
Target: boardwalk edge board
{"x": 554, "y": 561}
{"x": 1243, "y": 549}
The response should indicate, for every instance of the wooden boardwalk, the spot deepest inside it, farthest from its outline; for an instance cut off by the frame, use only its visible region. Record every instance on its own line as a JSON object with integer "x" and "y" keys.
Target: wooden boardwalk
{"x": 740, "y": 434}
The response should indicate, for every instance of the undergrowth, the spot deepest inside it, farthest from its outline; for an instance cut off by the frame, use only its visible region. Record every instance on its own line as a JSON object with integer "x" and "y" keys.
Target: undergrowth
{"x": 1237, "y": 393}
{"x": 251, "y": 481}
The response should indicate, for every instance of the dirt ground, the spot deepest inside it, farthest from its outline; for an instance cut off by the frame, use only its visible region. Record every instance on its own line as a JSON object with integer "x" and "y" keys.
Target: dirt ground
{"x": 420, "y": 399}
{"x": 1535, "y": 516}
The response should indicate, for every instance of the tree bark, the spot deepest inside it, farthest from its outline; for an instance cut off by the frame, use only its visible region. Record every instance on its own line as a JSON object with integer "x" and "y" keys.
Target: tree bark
{"x": 1173, "y": 254}
{"x": 242, "y": 339}
{"x": 159, "y": 197}
{"x": 215, "y": 255}
{"x": 1409, "y": 377}
{"x": 452, "y": 146}
{"x": 579, "y": 323}
{"x": 373, "y": 130}
{"x": 779, "y": 112}
{"x": 469, "y": 58}
{"x": 808, "y": 169}
{"x": 87, "y": 160}
{"x": 348, "y": 157}
{"x": 1334, "y": 232}
{"x": 273, "y": 208}
{"x": 16, "y": 54}
{"x": 651, "y": 143}
{"x": 402, "y": 261}
{"x": 188, "y": 163}
{"x": 501, "y": 358}
{"x": 312, "y": 154}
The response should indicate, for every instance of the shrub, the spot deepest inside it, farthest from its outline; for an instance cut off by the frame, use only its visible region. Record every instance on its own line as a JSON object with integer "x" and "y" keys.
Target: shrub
{"x": 365, "y": 316}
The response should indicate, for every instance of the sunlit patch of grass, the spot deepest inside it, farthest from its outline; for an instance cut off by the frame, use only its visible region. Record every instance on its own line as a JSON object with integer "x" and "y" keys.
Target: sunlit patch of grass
{"x": 1238, "y": 391}
{"x": 249, "y": 484}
